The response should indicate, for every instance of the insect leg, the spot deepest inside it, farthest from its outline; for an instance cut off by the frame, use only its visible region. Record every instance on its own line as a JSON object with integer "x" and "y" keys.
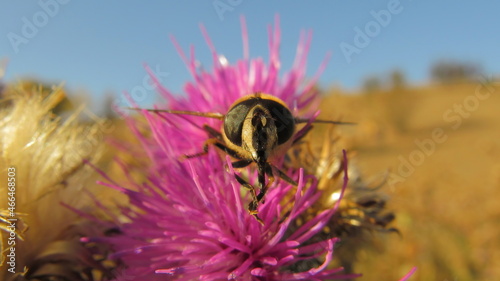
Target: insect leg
{"x": 216, "y": 140}
{"x": 284, "y": 176}
{"x": 212, "y": 132}
{"x": 241, "y": 163}
{"x": 227, "y": 150}
{"x": 263, "y": 171}
{"x": 212, "y": 141}
{"x": 248, "y": 186}
{"x": 215, "y": 137}
{"x": 252, "y": 207}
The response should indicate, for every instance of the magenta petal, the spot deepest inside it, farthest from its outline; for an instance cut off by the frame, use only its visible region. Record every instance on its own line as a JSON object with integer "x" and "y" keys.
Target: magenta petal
{"x": 258, "y": 271}
{"x": 409, "y": 274}
{"x": 242, "y": 268}
{"x": 269, "y": 261}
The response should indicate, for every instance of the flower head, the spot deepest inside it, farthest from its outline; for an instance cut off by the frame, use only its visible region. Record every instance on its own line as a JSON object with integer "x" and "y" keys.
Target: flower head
{"x": 188, "y": 220}
{"x": 193, "y": 224}
{"x": 44, "y": 155}
{"x": 362, "y": 208}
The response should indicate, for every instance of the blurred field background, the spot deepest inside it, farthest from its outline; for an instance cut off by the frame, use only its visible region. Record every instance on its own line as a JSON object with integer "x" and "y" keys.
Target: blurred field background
{"x": 446, "y": 210}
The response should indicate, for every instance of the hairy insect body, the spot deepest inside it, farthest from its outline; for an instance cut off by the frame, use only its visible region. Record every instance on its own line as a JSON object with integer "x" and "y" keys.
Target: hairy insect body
{"x": 259, "y": 127}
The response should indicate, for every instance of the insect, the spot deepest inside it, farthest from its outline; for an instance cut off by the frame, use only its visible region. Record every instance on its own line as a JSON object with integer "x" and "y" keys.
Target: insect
{"x": 258, "y": 128}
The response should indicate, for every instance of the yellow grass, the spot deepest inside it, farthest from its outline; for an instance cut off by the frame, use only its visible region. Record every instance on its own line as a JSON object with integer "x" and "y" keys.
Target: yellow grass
{"x": 448, "y": 209}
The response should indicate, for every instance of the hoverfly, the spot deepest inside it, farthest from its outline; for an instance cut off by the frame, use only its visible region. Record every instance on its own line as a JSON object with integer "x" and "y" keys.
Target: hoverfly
{"x": 258, "y": 128}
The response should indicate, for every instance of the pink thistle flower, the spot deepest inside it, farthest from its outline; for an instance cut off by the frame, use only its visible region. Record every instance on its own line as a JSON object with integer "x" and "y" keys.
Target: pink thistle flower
{"x": 188, "y": 221}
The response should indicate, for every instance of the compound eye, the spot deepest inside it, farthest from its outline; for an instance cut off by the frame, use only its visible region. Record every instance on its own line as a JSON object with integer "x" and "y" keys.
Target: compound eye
{"x": 233, "y": 122}
{"x": 283, "y": 120}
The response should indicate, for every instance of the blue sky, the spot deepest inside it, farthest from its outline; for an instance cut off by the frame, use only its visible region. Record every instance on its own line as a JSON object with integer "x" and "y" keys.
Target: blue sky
{"x": 100, "y": 46}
